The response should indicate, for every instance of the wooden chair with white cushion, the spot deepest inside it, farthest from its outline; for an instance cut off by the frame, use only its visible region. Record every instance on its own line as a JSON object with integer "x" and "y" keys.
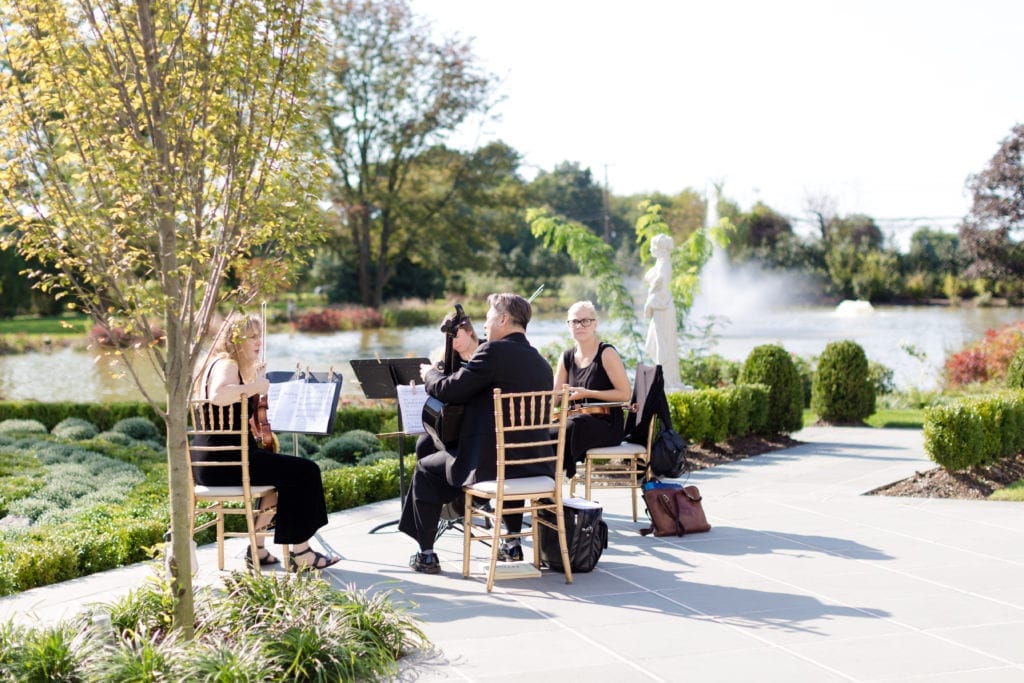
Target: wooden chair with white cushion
{"x": 522, "y": 420}
{"x": 230, "y": 421}
{"x": 625, "y": 465}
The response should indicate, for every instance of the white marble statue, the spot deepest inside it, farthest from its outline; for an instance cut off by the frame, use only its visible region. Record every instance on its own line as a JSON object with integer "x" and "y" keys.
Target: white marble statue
{"x": 662, "y": 334}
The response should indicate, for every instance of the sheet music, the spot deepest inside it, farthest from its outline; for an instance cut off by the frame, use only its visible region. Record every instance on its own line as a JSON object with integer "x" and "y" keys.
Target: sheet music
{"x": 301, "y": 407}
{"x": 410, "y": 403}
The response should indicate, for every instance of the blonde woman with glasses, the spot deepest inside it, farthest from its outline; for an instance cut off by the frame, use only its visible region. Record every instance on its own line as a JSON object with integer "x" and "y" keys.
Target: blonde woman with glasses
{"x": 595, "y": 374}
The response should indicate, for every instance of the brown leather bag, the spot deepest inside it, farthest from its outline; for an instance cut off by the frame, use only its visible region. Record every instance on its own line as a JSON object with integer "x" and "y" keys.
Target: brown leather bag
{"x": 675, "y": 511}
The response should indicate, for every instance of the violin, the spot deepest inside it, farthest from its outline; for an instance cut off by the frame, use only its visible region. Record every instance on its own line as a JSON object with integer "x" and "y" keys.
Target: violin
{"x": 259, "y": 425}
{"x": 604, "y": 408}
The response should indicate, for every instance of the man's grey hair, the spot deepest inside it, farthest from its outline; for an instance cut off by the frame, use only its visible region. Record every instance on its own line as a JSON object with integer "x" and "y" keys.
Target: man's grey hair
{"x": 517, "y": 308}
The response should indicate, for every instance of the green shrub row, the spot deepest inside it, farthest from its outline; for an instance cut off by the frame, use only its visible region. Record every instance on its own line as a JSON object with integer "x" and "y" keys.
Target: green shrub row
{"x": 715, "y": 415}
{"x": 103, "y": 415}
{"x": 975, "y": 431}
{"x": 110, "y": 536}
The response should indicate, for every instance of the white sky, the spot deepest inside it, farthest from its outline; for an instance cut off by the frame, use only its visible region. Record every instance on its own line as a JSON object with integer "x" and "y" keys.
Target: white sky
{"x": 885, "y": 106}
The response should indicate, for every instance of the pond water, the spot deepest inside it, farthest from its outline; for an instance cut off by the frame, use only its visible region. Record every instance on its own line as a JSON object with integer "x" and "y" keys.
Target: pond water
{"x": 883, "y": 332}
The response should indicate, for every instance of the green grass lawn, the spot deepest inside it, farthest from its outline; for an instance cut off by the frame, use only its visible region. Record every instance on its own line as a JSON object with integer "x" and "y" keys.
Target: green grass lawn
{"x": 1013, "y": 492}
{"x": 890, "y": 418}
{"x": 66, "y": 325}
{"x": 913, "y": 418}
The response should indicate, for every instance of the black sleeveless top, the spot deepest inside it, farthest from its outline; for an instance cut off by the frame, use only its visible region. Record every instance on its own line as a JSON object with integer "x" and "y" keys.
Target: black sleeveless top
{"x": 222, "y": 439}
{"x": 593, "y": 376}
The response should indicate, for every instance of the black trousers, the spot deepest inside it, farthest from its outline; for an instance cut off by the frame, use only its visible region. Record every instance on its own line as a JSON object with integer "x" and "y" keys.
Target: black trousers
{"x": 428, "y": 493}
{"x": 301, "y": 507}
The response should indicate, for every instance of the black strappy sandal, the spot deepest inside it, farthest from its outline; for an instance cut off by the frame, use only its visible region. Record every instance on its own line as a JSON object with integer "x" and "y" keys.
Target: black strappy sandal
{"x": 264, "y": 561}
{"x": 320, "y": 561}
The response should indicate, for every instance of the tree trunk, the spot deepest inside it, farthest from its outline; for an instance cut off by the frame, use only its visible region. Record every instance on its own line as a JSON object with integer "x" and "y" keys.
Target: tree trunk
{"x": 178, "y": 386}
{"x": 361, "y": 235}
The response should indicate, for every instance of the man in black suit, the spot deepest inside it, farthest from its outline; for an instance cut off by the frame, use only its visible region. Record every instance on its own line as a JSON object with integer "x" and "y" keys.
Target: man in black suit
{"x": 506, "y": 361}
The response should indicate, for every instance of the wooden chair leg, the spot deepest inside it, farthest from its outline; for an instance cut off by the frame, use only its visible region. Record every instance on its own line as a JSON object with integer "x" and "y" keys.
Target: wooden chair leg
{"x": 467, "y": 533}
{"x": 536, "y": 542}
{"x": 633, "y": 484}
{"x": 499, "y": 509}
{"x": 587, "y": 478}
{"x": 220, "y": 540}
{"x": 563, "y": 544}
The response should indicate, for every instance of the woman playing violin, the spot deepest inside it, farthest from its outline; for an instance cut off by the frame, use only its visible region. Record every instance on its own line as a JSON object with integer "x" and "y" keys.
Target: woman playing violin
{"x": 233, "y": 369}
{"x": 595, "y": 374}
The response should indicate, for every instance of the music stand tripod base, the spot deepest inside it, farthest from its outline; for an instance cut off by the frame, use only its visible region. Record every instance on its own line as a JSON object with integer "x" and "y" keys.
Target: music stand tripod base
{"x": 379, "y": 378}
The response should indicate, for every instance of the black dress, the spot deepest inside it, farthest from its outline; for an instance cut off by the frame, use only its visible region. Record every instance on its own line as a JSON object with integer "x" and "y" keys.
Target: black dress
{"x": 583, "y": 432}
{"x": 301, "y": 509}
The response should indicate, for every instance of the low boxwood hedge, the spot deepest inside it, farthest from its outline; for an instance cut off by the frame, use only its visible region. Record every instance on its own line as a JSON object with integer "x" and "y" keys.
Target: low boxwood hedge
{"x": 716, "y": 415}
{"x": 975, "y": 431}
{"x": 113, "y": 533}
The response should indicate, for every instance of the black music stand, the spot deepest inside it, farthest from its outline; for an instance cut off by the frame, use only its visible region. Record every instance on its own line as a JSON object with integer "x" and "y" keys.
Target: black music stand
{"x": 379, "y": 378}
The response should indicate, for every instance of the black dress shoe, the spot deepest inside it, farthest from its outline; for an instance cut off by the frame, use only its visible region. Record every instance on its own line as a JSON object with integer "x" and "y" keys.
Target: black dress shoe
{"x": 427, "y": 564}
{"x": 510, "y": 553}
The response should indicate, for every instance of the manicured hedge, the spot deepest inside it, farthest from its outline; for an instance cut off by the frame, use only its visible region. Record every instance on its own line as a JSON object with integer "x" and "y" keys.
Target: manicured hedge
{"x": 842, "y": 391}
{"x": 773, "y": 366}
{"x": 103, "y": 415}
{"x": 106, "y": 415}
{"x": 715, "y": 415}
{"x": 975, "y": 431}
{"x": 119, "y": 535}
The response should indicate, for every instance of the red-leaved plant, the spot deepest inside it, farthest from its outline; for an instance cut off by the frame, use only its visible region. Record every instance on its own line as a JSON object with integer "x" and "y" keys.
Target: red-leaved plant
{"x": 335, "y": 319}
{"x": 988, "y": 358}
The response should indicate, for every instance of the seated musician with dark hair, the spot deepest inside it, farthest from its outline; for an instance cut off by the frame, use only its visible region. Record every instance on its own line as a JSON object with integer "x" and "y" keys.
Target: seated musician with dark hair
{"x": 506, "y": 361}
{"x": 464, "y": 344}
{"x": 595, "y": 374}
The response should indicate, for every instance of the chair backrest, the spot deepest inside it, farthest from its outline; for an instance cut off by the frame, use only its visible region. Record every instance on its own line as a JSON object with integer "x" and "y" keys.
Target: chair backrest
{"x": 529, "y": 434}
{"x": 226, "y": 429}
{"x": 650, "y": 400}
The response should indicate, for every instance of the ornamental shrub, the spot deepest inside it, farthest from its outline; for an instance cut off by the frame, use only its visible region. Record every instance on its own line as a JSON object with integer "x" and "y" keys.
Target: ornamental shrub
{"x": 1015, "y": 371}
{"x": 842, "y": 391}
{"x": 988, "y": 358}
{"x": 307, "y": 446}
{"x": 374, "y": 458}
{"x": 118, "y": 438}
{"x": 709, "y": 371}
{"x": 26, "y": 426}
{"x": 715, "y": 415}
{"x": 350, "y": 446}
{"x": 953, "y": 436}
{"x": 103, "y": 415}
{"x": 74, "y": 429}
{"x": 138, "y": 428}
{"x": 369, "y": 419}
{"x": 771, "y": 365}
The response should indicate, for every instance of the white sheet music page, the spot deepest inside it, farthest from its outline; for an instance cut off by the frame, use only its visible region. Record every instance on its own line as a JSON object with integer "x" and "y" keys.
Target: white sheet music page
{"x": 299, "y": 406}
{"x": 410, "y": 403}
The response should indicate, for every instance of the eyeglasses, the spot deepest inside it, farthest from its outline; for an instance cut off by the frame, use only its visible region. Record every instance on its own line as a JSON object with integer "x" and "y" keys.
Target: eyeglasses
{"x": 583, "y": 322}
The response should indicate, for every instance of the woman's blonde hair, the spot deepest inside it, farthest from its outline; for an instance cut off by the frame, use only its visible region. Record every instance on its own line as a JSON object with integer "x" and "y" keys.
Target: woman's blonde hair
{"x": 579, "y": 305}
{"x": 238, "y": 330}
{"x": 226, "y": 345}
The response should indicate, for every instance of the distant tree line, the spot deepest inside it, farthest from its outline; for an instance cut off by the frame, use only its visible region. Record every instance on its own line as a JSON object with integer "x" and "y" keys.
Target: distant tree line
{"x": 410, "y": 216}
